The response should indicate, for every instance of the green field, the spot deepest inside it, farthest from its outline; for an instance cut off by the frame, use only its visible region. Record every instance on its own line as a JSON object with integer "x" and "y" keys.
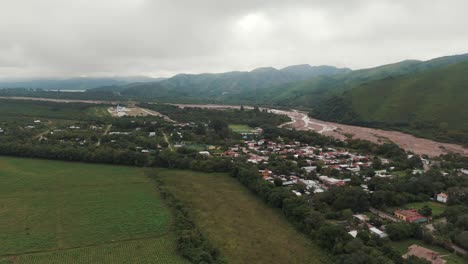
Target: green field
{"x": 240, "y": 128}
{"x": 452, "y": 258}
{"x": 52, "y": 212}
{"x": 437, "y": 208}
{"x": 12, "y": 110}
{"x": 239, "y": 223}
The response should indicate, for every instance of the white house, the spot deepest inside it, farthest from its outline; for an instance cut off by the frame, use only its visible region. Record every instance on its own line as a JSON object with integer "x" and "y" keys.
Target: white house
{"x": 442, "y": 197}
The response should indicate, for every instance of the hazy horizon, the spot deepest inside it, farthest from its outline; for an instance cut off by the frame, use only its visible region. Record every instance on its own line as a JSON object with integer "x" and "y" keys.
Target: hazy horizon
{"x": 63, "y": 39}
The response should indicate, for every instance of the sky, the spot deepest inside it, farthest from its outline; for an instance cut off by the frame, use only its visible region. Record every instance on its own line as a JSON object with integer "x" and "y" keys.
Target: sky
{"x": 71, "y": 38}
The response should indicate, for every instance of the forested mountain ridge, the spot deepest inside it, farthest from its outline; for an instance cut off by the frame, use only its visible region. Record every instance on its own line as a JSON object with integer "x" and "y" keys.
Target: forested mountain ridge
{"x": 309, "y": 93}
{"x": 430, "y": 103}
{"x": 230, "y": 86}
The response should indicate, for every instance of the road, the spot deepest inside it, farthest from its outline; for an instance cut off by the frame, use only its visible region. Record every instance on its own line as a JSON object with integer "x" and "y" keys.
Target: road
{"x": 167, "y": 141}
{"x": 301, "y": 121}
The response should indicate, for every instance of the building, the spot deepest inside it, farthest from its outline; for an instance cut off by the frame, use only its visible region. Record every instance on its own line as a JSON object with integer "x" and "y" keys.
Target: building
{"x": 442, "y": 197}
{"x": 421, "y": 252}
{"x": 331, "y": 181}
{"x": 378, "y": 232}
{"x": 411, "y": 216}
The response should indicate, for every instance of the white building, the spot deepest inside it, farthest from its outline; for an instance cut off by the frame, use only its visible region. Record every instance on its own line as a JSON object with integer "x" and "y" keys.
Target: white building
{"x": 378, "y": 232}
{"x": 442, "y": 197}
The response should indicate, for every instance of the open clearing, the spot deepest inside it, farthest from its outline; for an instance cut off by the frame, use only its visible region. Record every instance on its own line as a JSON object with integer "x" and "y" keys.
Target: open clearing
{"x": 437, "y": 208}
{"x": 54, "y": 212}
{"x": 239, "y": 223}
{"x": 452, "y": 258}
{"x": 240, "y": 128}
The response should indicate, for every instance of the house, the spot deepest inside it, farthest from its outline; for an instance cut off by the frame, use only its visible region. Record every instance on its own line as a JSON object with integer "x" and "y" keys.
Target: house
{"x": 353, "y": 233}
{"x": 421, "y": 252}
{"x": 361, "y": 217}
{"x": 331, "y": 181}
{"x": 378, "y": 232}
{"x": 266, "y": 173}
{"x": 152, "y": 134}
{"x": 309, "y": 169}
{"x": 206, "y": 153}
{"x": 411, "y": 216}
{"x": 442, "y": 197}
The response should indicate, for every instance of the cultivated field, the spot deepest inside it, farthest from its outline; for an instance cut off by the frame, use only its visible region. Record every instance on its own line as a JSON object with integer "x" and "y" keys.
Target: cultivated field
{"x": 238, "y": 222}
{"x": 59, "y": 212}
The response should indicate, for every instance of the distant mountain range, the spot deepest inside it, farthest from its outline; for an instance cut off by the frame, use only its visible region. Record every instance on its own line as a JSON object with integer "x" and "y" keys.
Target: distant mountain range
{"x": 82, "y": 83}
{"x": 223, "y": 86}
{"x": 427, "y": 98}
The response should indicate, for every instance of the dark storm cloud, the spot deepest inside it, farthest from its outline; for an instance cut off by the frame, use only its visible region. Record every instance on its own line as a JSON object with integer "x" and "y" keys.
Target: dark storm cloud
{"x": 135, "y": 37}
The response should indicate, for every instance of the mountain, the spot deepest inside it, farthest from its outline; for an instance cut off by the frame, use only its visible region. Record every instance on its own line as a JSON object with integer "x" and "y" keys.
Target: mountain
{"x": 72, "y": 83}
{"x": 430, "y": 103}
{"x": 230, "y": 86}
{"x": 310, "y": 92}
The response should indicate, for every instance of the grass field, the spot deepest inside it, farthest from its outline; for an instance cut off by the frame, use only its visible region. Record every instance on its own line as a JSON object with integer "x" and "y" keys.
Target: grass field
{"x": 437, "y": 208}
{"x": 239, "y": 223}
{"x": 11, "y": 110}
{"x": 240, "y": 128}
{"x": 452, "y": 258}
{"x": 81, "y": 212}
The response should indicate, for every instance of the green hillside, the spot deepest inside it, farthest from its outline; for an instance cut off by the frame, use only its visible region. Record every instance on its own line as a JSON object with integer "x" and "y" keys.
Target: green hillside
{"x": 430, "y": 103}
{"x": 222, "y": 87}
{"x": 309, "y": 93}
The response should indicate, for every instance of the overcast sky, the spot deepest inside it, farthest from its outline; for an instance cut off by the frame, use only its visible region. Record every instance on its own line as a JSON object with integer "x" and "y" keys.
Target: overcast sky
{"x": 62, "y": 38}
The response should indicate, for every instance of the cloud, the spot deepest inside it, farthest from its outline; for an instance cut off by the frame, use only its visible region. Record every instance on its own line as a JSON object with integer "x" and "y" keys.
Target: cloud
{"x": 54, "y": 38}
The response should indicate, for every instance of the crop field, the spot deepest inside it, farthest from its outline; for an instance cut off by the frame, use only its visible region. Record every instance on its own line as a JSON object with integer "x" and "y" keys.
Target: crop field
{"x": 237, "y": 222}
{"x": 52, "y": 212}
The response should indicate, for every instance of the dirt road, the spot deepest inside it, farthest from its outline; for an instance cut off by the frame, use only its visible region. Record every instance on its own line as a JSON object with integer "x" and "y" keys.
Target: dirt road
{"x": 301, "y": 121}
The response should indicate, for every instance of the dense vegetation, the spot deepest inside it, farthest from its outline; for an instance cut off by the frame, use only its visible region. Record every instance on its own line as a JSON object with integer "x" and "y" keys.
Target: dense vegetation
{"x": 191, "y": 243}
{"x": 221, "y": 87}
{"x": 431, "y": 104}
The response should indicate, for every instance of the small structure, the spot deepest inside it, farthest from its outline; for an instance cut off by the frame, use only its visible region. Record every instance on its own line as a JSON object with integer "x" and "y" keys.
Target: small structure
{"x": 152, "y": 134}
{"x": 421, "y": 252}
{"x": 205, "y": 153}
{"x": 361, "y": 217}
{"x": 411, "y": 216}
{"x": 442, "y": 197}
{"x": 331, "y": 181}
{"x": 353, "y": 233}
{"x": 378, "y": 232}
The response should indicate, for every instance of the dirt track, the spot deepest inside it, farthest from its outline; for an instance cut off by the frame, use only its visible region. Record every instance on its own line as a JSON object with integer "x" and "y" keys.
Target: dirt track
{"x": 301, "y": 121}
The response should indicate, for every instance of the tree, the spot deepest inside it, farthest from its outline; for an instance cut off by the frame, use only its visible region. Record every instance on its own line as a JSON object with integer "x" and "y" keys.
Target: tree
{"x": 426, "y": 211}
{"x": 332, "y": 237}
{"x": 278, "y": 182}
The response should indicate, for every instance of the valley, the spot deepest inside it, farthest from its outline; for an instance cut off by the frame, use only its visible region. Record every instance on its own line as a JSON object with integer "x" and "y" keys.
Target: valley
{"x": 302, "y": 122}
